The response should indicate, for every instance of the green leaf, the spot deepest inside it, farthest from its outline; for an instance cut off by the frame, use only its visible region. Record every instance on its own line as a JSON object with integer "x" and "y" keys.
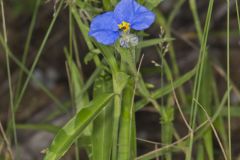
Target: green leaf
{"x": 102, "y": 125}
{"x": 167, "y": 89}
{"x": 119, "y": 82}
{"x": 127, "y": 137}
{"x": 205, "y": 99}
{"x": 75, "y": 126}
{"x": 152, "y": 42}
{"x": 77, "y": 85}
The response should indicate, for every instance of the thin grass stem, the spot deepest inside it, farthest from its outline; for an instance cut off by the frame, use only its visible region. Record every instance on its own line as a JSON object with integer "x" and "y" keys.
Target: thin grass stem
{"x": 9, "y": 81}
{"x": 27, "y": 46}
{"x": 228, "y": 80}
{"x": 18, "y": 101}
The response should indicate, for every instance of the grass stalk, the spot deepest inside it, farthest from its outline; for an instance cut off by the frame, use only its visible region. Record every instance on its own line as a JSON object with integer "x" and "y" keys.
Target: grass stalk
{"x": 238, "y": 16}
{"x": 11, "y": 98}
{"x": 198, "y": 78}
{"x": 6, "y": 140}
{"x": 59, "y": 104}
{"x": 228, "y": 81}
{"x": 39, "y": 53}
{"x": 27, "y": 46}
{"x": 117, "y": 113}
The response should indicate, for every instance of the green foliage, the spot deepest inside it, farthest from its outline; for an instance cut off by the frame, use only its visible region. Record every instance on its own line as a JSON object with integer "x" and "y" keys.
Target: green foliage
{"x": 22, "y": 6}
{"x": 103, "y": 124}
{"x": 75, "y": 126}
{"x": 104, "y": 105}
{"x": 153, "y": 3}
{"x": 127, "y": 138}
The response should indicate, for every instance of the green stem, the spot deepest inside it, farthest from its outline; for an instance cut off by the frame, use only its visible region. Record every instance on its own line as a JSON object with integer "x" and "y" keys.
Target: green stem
{"x": 228, "y": 80}
{"x": 117, "y": 113}
{"x": 238, "y": 16}
{"x": 9, "y": 80}
{"x": 27, "y": 45}
{"x": 198, "y": 78}
{"x": 18, "y": 101}
{"x": 126, "y": 132}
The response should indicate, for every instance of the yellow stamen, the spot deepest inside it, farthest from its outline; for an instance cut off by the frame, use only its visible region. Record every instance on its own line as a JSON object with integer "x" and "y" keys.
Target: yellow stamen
{"x": 124, "y": 26}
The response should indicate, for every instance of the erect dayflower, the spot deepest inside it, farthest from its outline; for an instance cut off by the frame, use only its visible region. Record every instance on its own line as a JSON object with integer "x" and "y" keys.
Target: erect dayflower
{"x": 128, "y": 14}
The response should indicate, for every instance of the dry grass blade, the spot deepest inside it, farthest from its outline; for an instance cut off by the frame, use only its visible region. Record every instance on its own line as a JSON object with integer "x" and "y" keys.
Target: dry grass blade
{"x": 6, "y": 141}
{"x": 155, "y": 152}
{"x": 180, "y": 110}
{"x": 214, "y": 130}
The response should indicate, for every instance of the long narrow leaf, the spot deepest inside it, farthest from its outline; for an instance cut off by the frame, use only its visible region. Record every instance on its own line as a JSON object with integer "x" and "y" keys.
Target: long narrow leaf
{"x": 75, "y": 126}
{"x": 167, "y": 89}
{"x": 125, "y": 150}
{"x": 102, "y": 125}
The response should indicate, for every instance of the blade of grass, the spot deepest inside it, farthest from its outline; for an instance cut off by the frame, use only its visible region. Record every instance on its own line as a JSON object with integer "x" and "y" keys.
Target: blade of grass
{"x": 88, "y": 83}
{"x": 37, "y": 57}
{"x": 75, "y": 126}
{"x": 238, "y": 16}
{"x": 6, "y": 140}
{"x": 228, "y": 81}
{"x": 198, "y": 77}
{"x": 197, "y": 23}
{"x": 125, "y": 131}
{"x": 217, "y": 113}
{"x": 26, "y": 71}
{"x": 103, "y": 124}
{"x": 76, "y": 84}
{"x": 11, "y": 98}
{"x": 70, "y": 75}
{"x": 205, "y": 98}
{"x": 27, "y": 45}
{"x": 119, "y": 82}
{"x": 200, "y": 149}
{"x": 70, "y": 32}
{"x": 166, "y": 89}
{"x": 220, "y": 120}
{"x": 75, "y": 48}
{"x": 158, "y": 152}
{"x": 199, "y": 131}
{"x": 214, "y": 130}
{"x": 152, "y": 42}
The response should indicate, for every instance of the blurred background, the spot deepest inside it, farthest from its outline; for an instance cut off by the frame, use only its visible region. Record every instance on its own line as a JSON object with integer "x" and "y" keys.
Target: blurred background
{"x": 36, "y": 107}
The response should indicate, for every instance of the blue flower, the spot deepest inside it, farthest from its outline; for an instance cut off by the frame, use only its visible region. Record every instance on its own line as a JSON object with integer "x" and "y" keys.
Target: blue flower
{"x": 128, "y": 14}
